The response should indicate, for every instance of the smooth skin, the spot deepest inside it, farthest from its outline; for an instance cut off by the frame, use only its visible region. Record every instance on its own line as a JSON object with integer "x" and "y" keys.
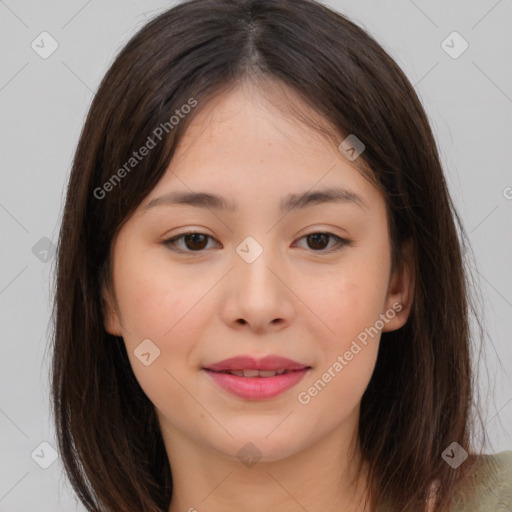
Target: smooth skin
{"x": 305, "y": 298}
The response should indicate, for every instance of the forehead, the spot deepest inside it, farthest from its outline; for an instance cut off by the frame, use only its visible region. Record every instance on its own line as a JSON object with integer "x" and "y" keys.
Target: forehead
{"x": 267, "y": 110}
{"x": 247, "y": 139}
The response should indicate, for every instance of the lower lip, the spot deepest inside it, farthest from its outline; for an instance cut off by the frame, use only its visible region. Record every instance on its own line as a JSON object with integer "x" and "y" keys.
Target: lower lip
{"x": 257, "y": 388}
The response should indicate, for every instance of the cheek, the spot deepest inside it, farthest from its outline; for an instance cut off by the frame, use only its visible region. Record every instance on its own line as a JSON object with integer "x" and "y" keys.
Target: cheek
{"x": 351, "y": 309}
{"x": 164, "y": 307}
{"x": 158, "y": 309}
{"x": 154, "y": 297}
{"x": 350, "y": 302}
{"x": 352, "y": 299}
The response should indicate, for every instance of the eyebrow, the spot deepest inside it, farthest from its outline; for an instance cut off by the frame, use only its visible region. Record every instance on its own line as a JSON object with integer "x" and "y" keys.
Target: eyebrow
{"x": 287, "y": 204}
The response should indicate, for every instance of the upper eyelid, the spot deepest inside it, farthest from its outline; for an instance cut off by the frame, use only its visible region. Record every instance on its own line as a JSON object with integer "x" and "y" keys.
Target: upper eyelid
{"x": 180, "y": 235}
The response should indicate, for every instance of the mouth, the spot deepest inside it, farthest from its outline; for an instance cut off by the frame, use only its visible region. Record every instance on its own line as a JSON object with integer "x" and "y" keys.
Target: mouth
{"x": 252, "y": 379}
{"x": 246, "y": 364}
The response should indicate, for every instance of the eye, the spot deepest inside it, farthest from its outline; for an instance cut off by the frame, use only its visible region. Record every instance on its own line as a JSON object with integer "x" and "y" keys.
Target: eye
{"x": 197, "y": 242}
{"x": 318, "y": 240}
{"x": 194, "y": 242}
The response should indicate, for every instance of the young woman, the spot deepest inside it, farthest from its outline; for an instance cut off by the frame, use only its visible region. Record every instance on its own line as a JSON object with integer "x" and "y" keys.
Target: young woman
{"x": 261, "y": 301}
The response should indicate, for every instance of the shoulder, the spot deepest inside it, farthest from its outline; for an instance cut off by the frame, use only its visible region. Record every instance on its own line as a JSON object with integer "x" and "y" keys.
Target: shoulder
{"x": 490, "y": 485}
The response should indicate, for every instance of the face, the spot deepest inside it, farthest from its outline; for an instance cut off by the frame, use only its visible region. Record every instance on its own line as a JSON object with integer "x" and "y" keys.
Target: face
{"x": 306, "y": 280}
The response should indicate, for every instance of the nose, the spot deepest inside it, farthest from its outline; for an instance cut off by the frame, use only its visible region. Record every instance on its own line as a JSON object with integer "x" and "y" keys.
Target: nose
{"x": 258, "y": 295}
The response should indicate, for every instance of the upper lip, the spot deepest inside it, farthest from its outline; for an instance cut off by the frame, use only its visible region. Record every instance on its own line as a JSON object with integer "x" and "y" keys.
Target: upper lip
{"x": 271, "y": 362}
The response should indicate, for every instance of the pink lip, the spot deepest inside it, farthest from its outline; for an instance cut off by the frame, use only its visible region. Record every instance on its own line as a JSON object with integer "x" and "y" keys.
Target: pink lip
{"x": 257, "y": 388}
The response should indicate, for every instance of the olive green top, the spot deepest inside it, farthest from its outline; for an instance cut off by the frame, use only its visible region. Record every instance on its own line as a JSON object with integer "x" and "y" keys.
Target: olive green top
{"x": 493, "y": 486}
{"x": 491, "y": 490}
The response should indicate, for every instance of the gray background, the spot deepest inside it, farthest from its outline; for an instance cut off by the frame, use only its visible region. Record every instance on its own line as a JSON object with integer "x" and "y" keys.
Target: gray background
{"x": 44, "y": 102}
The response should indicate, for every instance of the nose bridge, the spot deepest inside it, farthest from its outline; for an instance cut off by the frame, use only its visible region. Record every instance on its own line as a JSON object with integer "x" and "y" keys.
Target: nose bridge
{"x": 257, "y": 296}
{"x": 255, "y": 261}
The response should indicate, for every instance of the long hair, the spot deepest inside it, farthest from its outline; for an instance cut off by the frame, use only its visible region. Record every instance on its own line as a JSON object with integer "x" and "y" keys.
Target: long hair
{"x": 420, "y": 397}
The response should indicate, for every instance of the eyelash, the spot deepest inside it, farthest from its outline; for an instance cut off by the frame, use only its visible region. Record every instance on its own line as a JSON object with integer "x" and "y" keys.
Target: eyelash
{"x": 341, "y": 242}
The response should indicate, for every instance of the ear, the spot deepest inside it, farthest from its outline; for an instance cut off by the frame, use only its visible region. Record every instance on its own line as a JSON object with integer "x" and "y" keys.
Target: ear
{"x": 111, "y": 320}
{"x": 401, "y": 289}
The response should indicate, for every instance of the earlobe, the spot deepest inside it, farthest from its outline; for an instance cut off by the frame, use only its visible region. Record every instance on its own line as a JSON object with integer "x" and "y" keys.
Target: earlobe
{"x": 401, "y": 289}
{"x": 111, "y": 318}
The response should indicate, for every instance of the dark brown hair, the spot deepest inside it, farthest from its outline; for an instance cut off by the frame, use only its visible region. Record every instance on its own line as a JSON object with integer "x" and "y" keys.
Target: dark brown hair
{"x": 420, "y": 397}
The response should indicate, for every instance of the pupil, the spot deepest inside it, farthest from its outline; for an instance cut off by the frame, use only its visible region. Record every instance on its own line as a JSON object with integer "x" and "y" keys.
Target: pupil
{"x": 194, "y": 237}
{"x": 315, "y": 238}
